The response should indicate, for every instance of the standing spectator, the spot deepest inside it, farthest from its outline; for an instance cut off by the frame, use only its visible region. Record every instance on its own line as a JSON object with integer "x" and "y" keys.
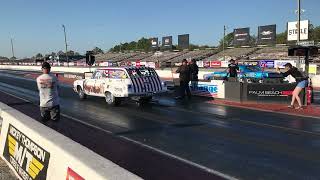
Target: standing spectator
{"x": 233, "y": 69}
{"x": 194, "y": 70}
{"x": 184, "y": 78}
{"x": 48, "y": 91}
{"x": 300, "y": 79}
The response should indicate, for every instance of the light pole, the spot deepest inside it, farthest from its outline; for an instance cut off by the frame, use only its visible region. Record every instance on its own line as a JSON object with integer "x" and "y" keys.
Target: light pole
{"x": 224, "y": 35}
{"x": 12, "y": 49}
{"x": 299, "y": 19}
{"x": 65, "y": 41}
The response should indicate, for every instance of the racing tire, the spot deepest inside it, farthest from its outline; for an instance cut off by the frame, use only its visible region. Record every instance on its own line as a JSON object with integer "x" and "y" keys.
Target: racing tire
{"x": 111, "y": 100}
{"x": 81, "y": 94}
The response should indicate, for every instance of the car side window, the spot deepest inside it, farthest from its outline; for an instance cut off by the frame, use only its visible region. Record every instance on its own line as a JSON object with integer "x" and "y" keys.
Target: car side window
{"x": 94, "y": 75}
{"x": 98, "y": 75}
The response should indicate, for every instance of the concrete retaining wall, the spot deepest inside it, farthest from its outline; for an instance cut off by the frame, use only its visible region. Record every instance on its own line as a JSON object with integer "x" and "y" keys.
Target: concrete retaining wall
{"x": 167, "y": 73}
{"x": 62, "y": 157}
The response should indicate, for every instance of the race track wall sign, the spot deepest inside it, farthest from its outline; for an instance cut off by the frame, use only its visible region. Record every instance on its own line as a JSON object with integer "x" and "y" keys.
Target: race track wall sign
{"x": 269, "y": 92}
{"x": 29, "y": 160}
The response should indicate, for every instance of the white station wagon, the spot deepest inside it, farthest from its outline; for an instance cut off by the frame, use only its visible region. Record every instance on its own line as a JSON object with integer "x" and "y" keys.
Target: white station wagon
{"x": 116, "y": 84}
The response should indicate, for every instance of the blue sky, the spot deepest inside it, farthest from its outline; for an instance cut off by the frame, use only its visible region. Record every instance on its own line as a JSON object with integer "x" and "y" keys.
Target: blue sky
{"x": 36, "y": 25}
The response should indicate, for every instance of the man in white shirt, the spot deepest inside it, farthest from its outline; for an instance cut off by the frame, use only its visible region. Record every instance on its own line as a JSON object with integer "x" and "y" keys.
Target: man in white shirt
{"x": 49, "y": 97}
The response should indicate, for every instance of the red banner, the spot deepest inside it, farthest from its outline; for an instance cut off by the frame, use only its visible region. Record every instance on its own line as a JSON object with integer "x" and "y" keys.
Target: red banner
{"x": 214, "y": 64}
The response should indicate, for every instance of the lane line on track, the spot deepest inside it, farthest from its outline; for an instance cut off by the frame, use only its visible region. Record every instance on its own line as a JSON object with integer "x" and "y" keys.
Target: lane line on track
{"x": 225, "y": 176}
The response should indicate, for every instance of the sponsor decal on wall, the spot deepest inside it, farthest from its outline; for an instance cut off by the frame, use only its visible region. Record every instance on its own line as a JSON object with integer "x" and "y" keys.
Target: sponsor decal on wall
{"x": 204, "y": 88}
{"x": 281, "y": 63}
{"x": 28, "y": 159}
{"x": 266, "y": 63}
{"x": 215, "y": 64}
{"x": 71, "y": 175}
{"x": 263, "y": 93}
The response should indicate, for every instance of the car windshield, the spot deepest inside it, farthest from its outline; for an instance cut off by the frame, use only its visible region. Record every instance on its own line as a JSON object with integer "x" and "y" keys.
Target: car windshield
{"x": 141, "y": 72}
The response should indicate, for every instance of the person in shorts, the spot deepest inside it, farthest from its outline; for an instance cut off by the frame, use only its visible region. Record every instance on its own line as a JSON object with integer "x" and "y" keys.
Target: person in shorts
{"x": 49, "y": 97}
{"x": 300, "y": 79}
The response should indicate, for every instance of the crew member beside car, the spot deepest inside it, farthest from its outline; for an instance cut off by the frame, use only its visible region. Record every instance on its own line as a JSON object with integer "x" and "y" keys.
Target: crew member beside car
{"x": 300, "y": 79}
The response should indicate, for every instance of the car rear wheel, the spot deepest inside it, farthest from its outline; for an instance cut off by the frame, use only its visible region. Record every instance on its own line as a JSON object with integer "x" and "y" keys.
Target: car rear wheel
{"x": 81, "y": 94}
{"x": 111, "y": 100}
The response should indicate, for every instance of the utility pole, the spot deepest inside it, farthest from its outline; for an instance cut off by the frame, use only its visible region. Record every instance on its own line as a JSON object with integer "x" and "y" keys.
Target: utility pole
{"x": 299, "y": 19}
{"x": 224, "y": 35}
{"x": 12, "y": 49}
{"x": 299, "y": 31}
{"x": 65, "y": 41}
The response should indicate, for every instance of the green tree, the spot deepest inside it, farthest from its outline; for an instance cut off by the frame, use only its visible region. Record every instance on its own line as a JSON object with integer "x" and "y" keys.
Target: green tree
{"x": 39, "y": 56}
{"x": 282, "y": 38}
{"x": 143, "y": 44}
{"x": 314, "y": 33}
{"x": 228, "y": 39}
{"x": 97, "y": 50}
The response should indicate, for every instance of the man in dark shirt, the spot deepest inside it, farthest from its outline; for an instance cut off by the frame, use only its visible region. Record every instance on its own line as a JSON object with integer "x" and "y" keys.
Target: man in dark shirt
{"x": 194, "y": 70}
{"x": 184, "y": 78}
{"x": 233, "y": 69}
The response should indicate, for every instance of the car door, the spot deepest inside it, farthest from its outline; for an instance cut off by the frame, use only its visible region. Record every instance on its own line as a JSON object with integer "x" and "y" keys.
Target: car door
{"x": 100, "y": 82}
{"x": 89, "y": 85}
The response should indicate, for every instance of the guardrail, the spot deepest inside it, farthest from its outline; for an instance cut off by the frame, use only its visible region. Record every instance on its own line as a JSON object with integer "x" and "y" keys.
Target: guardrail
{"x": 34, "y": 151}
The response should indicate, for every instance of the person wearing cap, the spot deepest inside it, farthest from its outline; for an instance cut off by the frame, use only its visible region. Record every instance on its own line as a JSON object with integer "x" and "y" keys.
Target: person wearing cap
{"x": 49, "y": 97}
{"x": 184, "y": 78}
{"x": 233, "y": 69}
{"x": 300, "y": 79}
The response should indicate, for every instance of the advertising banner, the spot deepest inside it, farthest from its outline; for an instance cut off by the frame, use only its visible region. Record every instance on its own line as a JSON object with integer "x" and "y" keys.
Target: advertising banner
{"x": 215, "y": 88}
{"x": 29, "y": 160}
{"x": 200, "y": 63}
{"x": 224, "y": 64}
{"x": 206, "y": 64}
{"x": 167, "y": 42}
{"x": 183, "y": 41}
{"x": 215, "y": 64}
{"x": 266, "y": 63}
{"x": 293, "y": 30}
{"x": 154, "y": 43}
{"x": 267, "y": 34}
{"x": 268, "y": 92}
{"x": 241, "y": 37}
{"x": 281, "y": 63}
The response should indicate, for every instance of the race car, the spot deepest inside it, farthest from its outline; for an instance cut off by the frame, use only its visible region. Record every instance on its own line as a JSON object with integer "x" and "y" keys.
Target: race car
{"x": 116, "y": 84}
{"x": 246, "y": 72}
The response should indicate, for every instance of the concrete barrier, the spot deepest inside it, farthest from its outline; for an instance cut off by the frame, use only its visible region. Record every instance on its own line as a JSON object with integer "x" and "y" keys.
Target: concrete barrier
{"x": 166, "y": 73}
{"x": 34, "y": 151}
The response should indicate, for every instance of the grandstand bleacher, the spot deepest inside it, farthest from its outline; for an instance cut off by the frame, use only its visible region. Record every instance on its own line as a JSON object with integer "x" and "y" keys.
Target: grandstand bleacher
{"x": 175, "y": 57}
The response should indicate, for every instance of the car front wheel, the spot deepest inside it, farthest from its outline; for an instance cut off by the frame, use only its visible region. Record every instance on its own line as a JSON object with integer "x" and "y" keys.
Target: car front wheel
{"x": 81, "y": 93}
{"x": 111, "y": 100}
